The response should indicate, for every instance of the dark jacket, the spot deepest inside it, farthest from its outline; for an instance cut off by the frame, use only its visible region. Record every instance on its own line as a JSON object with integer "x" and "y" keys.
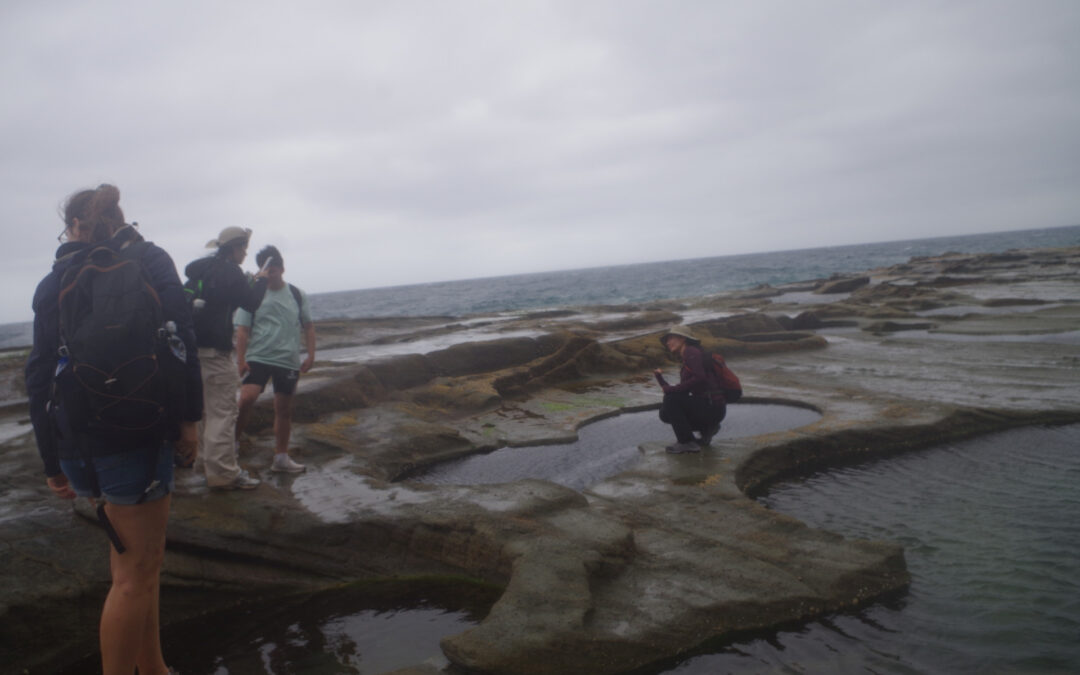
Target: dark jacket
{"x": 696, "y": 377}
{"x": 41, "y": 365}
{"x": 225, "y": 288}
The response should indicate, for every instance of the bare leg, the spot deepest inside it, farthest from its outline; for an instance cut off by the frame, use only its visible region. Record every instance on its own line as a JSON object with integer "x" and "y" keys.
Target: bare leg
{"x": 282, "y": 422}
{"x": 129, "y": 620}
{"x": 150, "y": 652}
{"x": 249, "y": 393}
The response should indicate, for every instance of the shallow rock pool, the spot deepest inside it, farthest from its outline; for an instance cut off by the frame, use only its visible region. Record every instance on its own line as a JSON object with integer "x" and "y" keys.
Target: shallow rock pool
{"x": 604, "y": 448}
{"x": 990, "y": 526}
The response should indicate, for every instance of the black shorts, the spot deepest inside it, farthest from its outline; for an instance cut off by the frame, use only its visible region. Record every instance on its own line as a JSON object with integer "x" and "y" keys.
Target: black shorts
{"x": 284, "y": 379}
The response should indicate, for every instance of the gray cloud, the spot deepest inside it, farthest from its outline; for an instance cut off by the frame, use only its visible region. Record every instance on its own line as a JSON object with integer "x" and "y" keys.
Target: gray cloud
{"x": 390, "y": 143}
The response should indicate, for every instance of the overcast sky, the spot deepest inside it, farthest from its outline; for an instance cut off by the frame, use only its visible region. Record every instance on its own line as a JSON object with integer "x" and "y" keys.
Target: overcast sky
{"x": 386, "y": 143}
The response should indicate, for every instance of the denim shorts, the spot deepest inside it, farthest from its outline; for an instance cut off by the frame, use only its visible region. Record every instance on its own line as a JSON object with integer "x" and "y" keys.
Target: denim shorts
{"x": 122, "y": 477}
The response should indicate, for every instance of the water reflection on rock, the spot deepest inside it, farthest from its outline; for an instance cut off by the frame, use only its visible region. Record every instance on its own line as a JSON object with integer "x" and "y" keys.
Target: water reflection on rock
{"x": 605, "y": 448}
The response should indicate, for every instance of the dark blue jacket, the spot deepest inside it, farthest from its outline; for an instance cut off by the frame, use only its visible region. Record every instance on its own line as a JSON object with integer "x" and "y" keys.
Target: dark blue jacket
{"x": 225, "y": 288}
{"x": 41, "y": 365}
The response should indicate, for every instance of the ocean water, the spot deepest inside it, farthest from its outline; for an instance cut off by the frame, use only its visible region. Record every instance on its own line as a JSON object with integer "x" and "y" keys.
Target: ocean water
{"x": 661, "y": 280}
{"x": 989, "y": 528}
{"x": 643, "y": 282}
{"x": 991, "y": 536}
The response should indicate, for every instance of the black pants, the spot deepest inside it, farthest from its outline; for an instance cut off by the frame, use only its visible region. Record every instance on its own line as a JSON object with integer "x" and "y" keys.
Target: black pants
{"x": 687, "y": 414}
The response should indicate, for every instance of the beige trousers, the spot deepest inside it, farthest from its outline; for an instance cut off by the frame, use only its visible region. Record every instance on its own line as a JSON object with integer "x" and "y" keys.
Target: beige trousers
{"x": 217, "y": 430}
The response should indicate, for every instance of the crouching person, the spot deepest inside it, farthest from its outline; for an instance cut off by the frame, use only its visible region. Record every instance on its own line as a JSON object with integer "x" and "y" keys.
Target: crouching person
{"x": 695, "y": 403}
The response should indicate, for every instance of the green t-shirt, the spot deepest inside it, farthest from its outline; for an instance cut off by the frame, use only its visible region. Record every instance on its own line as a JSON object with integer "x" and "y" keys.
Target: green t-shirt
{"x": 276, "y": 336}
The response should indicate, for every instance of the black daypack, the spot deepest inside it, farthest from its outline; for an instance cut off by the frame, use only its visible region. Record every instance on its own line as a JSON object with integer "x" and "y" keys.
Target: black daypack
{"x": 118, "y": 377}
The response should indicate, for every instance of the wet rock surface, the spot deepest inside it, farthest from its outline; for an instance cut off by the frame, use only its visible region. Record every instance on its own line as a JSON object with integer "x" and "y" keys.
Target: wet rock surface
{"x": 638, "y": 568}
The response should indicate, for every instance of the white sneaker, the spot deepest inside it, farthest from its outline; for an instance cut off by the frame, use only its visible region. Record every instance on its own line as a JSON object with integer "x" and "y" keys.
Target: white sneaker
{"x": 243, "y": 481}
{"x": 680, "y": 448}
{"x": 285, "y": 464}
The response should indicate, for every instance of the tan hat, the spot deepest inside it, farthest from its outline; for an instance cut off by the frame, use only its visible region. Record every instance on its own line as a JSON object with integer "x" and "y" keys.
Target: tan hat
{"x": 681, "y": 331}
{"x": 229, "y": 235}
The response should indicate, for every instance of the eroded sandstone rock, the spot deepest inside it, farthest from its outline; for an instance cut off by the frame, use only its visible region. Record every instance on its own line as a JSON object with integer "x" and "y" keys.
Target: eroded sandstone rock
{"x": 842, "y": 285}
{"x": 644, "y": 565}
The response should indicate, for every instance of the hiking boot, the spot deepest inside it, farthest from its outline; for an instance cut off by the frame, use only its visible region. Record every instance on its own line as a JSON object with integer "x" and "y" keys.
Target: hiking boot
{"x": 285, "y": 464}
{"x": 243, "y": 481}
{"x": 707, "y": 435}
{"x": 680, "y": 448}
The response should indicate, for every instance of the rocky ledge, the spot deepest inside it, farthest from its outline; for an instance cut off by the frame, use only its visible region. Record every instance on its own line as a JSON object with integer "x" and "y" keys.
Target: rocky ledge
{"x": 641, "y": 567}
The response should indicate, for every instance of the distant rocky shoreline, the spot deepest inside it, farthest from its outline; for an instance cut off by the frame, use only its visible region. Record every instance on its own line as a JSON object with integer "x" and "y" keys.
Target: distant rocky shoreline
{"x": 638, "y": 569}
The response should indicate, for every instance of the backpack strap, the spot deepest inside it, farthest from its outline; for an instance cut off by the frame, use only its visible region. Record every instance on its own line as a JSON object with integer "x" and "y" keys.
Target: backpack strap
{"x": 134, "y": 250}
{"x": 299, "y": 306}
{"x": 299, "y": 303}
{"x": 124, "y": 237}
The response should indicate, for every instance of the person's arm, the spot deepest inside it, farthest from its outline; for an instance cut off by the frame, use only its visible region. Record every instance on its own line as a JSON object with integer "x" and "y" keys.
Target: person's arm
{"x": 40, "y": 369}
{"x": 60, "y": 486}
{"x": 242, "y": 322}
{"x": 692, "y": 375}
{"x": 243, "y": 334}
{"x": 309, "y": 333}
{"x": 240, "y": 293}
{"x": 309, "y": 341}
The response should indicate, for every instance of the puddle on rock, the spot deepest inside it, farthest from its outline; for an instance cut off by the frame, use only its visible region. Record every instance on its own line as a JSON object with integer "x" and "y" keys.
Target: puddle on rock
{"x": 426, "y": 345}
{"x": 603, "y": 449}
{"x": 370, "y": 629}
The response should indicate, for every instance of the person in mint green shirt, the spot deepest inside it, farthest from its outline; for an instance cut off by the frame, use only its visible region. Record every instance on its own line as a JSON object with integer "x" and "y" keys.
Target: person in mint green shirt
{"x": 268, "y": 348}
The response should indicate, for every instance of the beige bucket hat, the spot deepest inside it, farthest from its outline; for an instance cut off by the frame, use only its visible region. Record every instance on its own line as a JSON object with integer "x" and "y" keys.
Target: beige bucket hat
{"x": 229, "y": 235}
{"x": 681, "y": 331}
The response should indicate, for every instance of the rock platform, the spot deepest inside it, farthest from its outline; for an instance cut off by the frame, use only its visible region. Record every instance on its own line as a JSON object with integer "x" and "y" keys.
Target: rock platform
{"x": 635, "y": 570}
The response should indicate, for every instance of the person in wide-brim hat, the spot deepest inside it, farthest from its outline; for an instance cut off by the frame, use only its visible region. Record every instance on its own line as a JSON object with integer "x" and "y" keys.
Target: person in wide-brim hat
{"x": 230, "y": 236}
{"x": 695, "y": 403}
{"x": 681, "y": 331}
{"x": 219, "y": 287}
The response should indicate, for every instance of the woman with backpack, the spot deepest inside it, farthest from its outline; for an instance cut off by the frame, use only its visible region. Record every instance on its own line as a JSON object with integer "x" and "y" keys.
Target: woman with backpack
{"x": 83, "y": 453}
{"x": 695, "y": 403}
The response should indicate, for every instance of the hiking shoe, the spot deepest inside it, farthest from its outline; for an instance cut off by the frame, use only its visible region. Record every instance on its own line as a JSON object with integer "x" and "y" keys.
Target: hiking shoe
{"x": 707, "y": 435}
{"x": 243, "y": 481}
{"x": 285, "y": 464}
{"x": 680, "y": 448}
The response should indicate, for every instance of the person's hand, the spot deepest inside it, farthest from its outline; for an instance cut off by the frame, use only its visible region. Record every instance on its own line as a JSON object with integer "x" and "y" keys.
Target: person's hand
{"x": 658, "y": 371}
{"x": 242, "y": 367}
{"x": 187, "y": 446}
{"x": 306, "y": 365}
{"x": 60, "y": 486}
